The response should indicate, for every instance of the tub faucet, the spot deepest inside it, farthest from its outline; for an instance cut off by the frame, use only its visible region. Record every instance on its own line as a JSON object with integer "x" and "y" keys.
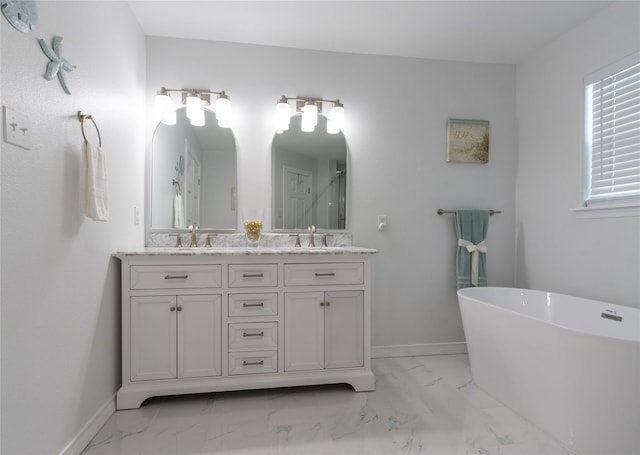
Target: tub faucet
{"x": 312, "y": 231}
{"x": 194, "y": 241}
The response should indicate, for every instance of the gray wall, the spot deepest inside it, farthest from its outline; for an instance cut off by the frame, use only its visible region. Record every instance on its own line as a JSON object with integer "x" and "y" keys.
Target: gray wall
{"x": 397, "y": 160}
{"x": 60, "y": 287}
{"x": 594, "y": 258}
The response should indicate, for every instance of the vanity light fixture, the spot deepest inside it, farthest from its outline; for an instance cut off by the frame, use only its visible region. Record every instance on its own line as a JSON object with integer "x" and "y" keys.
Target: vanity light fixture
{"x": 310, "y": 108}
{"x": 195, "y": 101}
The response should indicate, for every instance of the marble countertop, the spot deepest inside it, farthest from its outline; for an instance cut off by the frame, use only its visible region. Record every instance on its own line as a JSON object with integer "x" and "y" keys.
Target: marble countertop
{"x": 242, "y": 251}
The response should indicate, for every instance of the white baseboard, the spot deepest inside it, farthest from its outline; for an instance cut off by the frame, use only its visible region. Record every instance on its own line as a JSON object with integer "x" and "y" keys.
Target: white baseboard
{"x": 412, "y": 350}
{"x": 87, "y": 433}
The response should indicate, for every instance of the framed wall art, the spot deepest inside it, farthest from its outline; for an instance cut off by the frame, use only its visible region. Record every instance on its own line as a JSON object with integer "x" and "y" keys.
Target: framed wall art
{"x": 467, "y": 141}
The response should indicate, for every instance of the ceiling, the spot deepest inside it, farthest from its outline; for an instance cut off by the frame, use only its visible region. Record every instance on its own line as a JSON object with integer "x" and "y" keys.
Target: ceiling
{"x": 473, "y": 31}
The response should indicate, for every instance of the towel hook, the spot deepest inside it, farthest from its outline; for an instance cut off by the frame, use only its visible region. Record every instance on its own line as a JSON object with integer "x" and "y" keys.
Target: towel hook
{"x": 82, "y": 117}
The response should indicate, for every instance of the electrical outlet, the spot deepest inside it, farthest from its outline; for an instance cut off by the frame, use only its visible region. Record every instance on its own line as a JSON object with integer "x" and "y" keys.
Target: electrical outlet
{"x": 382, "y": 222}
{"x": 16, "y": 128}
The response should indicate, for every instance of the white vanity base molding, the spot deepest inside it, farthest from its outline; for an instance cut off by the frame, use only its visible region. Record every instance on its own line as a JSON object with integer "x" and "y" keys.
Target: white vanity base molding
{"x": 213, "y": 320}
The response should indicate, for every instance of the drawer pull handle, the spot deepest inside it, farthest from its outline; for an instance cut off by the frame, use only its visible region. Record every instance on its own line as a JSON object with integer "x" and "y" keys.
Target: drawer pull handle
{"x": 325, "y": 274}
{"x": 252, "y": 275}
{"x": 176, "y": 277}
{"x": 252, "y": 364}
{"x": 247, "y": 334}
{"x": 252, "y": 305}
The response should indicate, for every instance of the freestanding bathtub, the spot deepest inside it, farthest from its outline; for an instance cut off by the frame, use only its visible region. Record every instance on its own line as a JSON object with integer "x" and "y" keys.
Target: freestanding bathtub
{"x": 570, "y": 366}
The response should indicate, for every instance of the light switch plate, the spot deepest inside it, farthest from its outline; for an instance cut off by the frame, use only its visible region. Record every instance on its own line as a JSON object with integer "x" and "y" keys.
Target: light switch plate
{"x": 16, "y": 128}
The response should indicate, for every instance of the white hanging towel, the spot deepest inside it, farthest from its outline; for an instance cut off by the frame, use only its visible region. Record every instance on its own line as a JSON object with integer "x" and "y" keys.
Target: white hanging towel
{"x": 95, "y": 194}
{"x": 178, "y": 212}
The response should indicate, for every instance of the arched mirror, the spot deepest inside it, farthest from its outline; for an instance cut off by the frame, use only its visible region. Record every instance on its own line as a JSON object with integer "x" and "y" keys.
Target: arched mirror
{"x": 309, "y": 178}
{"x": 193, "y": 175}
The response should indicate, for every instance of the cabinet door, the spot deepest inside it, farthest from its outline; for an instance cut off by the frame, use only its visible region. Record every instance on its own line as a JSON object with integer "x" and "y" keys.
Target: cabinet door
{"x": 153, "y": 338}
{"x": 344, "y": 329}
{"x": 199, "y": 336}
{"x": 303, "y": 331}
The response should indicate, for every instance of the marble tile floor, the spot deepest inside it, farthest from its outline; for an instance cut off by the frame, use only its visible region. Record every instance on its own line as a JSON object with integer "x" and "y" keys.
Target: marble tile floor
{"x": 421, "y": 405}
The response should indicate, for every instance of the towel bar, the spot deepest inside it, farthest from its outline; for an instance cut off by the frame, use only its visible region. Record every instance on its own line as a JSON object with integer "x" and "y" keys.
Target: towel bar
{"x": 82, "y": 117}
{"x": 491, "y": 212}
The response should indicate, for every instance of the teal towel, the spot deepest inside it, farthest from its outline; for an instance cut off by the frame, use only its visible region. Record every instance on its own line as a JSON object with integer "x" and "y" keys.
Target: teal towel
{"x": 471, "y": 226}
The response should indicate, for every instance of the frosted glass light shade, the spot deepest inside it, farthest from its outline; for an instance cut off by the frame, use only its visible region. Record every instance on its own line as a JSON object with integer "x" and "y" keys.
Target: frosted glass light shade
{"x": 194, "y": 106}
{"x": 310, "y": 113}
{"x": 283, "y": 115}
{"x": 197, "y": 116}
{"x": 332, "y": 127}
{"x": 163, "y": 102}
{"x": 306, "y": 124}
{"x": 337, "y": 115}
{"x": 223, "y": 111}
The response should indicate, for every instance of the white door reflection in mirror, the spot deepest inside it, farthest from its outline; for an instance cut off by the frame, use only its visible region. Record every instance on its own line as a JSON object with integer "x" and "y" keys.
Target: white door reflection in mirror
{"x": 297, "y": 188}
{"x": 309, "y": 172}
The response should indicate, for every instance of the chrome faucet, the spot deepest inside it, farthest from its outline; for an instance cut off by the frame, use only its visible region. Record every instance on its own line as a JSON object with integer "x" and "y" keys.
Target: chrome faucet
{"x": 194, "y": 240}
{"x": 297, "y": 236}
{"x": 178, "y": 240}
{"x": 312, "y": 231}
{"x": 324, "y": 238}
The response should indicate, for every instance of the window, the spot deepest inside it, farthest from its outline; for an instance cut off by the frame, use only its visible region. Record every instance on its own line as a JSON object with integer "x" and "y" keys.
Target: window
{"x": 613, "y": 135}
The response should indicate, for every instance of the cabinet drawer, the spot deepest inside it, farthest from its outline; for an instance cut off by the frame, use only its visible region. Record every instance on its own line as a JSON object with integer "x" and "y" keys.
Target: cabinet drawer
{"x": 253, "y": 335}
{"x": 241, "y": 305}
{"x": 321, "y": 274}
{"x": 253, "y": 275}
{"x": 177, "y": 276}
{"x": 253, "y": 362}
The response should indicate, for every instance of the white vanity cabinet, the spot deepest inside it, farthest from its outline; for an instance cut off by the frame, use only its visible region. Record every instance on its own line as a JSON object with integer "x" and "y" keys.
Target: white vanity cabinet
{"x": 208, "y": 320}
{"x": 175, "y": 336}
{"x": 323, "y": 330}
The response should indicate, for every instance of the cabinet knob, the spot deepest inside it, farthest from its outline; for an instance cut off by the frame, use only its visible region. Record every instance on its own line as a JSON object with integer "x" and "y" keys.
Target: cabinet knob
{"x": 321, "y": 303}
{"x": 328, "y": 303}
{"x": 179, "y": 308}
{"x": 172, "y": 308}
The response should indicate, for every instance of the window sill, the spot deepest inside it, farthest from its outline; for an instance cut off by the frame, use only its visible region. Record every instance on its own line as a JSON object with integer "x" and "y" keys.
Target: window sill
{"x": 608, "y": 211}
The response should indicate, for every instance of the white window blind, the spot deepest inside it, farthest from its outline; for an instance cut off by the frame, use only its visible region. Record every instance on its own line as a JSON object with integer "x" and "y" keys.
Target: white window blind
{"x": 613, "y": 135}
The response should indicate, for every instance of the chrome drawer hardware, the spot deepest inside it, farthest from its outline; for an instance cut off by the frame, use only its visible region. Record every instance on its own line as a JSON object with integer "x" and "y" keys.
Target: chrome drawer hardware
{"x": 255, "y": 275}
{"x": 252, "y": 305}
{"x": 611, "y": 316}
{"x": 249, "y": 364}
{"x": 325, "y": 274}
{"x": 246, "y": 334}
{"x": 176, "y": 277}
